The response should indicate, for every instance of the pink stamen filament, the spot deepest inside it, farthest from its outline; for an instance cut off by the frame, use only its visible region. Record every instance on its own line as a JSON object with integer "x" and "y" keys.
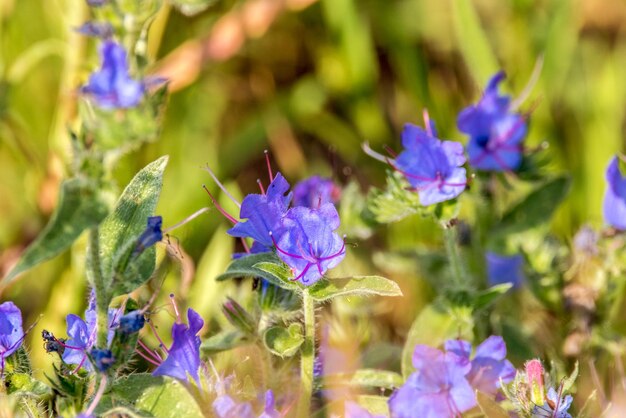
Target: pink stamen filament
{"x": 82, "y": 361}
{"x": 146, "y": 358}
{"x": 148, "y": 350}
{"x": 427, "y": 123}
{"x": 186, "y": 220}
{"x": 435, "y": 182}
{"x": 219, "y": 207}
{"x": 173, "y": 301}
{"x": 221, "y": 186}
{"x": 269, "y": 166}
{"x": 390, "y": 151}
{"x": 258, "y": 181}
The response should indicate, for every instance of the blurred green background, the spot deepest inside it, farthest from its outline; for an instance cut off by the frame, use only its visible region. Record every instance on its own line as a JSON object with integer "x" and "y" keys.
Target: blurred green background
{"x": 310, "y": 81}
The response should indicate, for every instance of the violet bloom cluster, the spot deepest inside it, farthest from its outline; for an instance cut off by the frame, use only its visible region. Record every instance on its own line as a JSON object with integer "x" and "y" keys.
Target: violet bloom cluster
{"x": 314, "y": 191}
{"x": 433, "y": 167}
{"x": 183, "y": 357}
{"x": 556, "y": 407}
{"x": 496, "y": 132}
{"x": 304, "y": 237}
{"x": 614, "y": 205}
{"x": 112, "y": 86}
{"x": 226, "y": 407}
{"x": 11, "y": 332}
{"x": 505, "y": 269}
{"x": 82, "y": 334}
{"x": 444, "y": 382}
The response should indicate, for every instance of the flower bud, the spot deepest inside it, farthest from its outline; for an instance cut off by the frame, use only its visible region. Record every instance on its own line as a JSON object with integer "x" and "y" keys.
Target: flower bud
{"x": 238, "y": 316}
{"x": 534, "y": 374}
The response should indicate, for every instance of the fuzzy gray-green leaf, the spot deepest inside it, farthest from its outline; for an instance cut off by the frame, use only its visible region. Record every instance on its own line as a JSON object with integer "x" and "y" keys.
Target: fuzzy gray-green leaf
{"x": 326, "y": 289}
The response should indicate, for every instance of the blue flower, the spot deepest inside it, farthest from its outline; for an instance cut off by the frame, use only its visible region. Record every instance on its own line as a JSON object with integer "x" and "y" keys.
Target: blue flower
{"x": 102, "y": 30}
{"x": 495, "y": 131}
{"x": 437, "y": 389}
{"x": 263, "y": 213}
{"x": 505, "y": 269}
{"x": 102, "y": 358}
{"x": 314, "y": 192}
{"x": 151, "y": 235}
{"x": 547, "y": 410}
{"x": 112, "y": 87}
{"x": 614, "y": 206}
{"x": 82, "y": 334}
{"x": 11, "y": 332}
{"x": 307, "y": 242}
{"x": 432, "y": 166}
{"x": 132, "y": 322}
{"x": 489, "y": 365}
{"x": 183, "y": 357}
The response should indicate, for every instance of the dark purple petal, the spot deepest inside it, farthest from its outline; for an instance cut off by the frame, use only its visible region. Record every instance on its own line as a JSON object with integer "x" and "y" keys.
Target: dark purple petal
{"x": 184, "y": 355}
{"x": 505, "y": 269}
{"x": 151, "y": 235}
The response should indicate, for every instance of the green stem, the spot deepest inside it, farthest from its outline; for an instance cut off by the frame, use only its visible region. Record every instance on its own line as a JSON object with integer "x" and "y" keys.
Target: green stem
{"x": 458, "y": 274}
{"x": 307, "y": 356}
{"x": 102, "y": 296}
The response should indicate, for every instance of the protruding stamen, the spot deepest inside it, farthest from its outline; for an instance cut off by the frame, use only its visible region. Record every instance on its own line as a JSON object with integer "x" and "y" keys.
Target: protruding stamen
{"x": 218, "y": 206}
{"x": 532, "y": 81}
{"x": 258, "y": 181}
{"x": 390, "y": 151}
{"x": 221, "y": 186}
{"x": 156, "y": 334}
{"x": 282, "y": 251}
{"x": 82, "y": 361}
{"x": 269, "y": 166}
{"x": 375, "y": 155}
{"x": 427, "y": 123}
{"x": 148, "y": 350}
{"x": 246, "y": 248}
{"x": 186, "y": 220}
{"x": 146, "y": 358}
{"x": 173, "y": 301}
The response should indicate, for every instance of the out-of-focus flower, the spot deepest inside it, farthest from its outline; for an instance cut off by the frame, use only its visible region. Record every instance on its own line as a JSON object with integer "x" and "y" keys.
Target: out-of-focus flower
{"x": 226, "y": 407}
{"x": 315, "y": 191}
{"x": 97, "y": 3}
{"x": 614, "y": 206}
{"x": 307, "y": 243}
{"x": 555, "y": 406}
{"x": 505, "y": 269}
{"x": 151, "y": 235}
{"x": 534, "y": 375}
{"x": 489, "y": 364}
{"x": 183, "y": 357}
{"x": 432, "y": 166}
{"x": 354, "y": 410}
{"x": 112, "y": 87}
{"x": 270, "y": 411}
{"x": 102, "y": 30}
{"x": 102, "y": 358}
{"x": 263, "y": 212}
{"x": 495, "y": 131}
{"x": 437, "y": 389}
{"x": 132, "y": 322}
{"x": 11, "y": 332}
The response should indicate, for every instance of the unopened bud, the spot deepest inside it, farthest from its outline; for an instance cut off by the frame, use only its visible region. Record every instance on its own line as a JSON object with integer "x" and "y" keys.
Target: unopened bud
{"x": 534, "y": 374}
{"x": 238, "y": 316}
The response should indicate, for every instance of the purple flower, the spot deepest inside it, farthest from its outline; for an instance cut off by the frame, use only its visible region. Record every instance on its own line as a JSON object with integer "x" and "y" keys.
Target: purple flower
{"x": 151, "y": 235}
{"x": 263, "y": 212}
{"x": 437, "y": 389}
{"x": 432, "y": 166}
{"x": 614, "y": 207}
{"x": 354, "y": 410}
{"x": 226, "y": 407}
{"x": 489, "y": 364}
{"x": 505, "y": 269}
{"x": 11, "y": 332}
{"x": 314, "y": 192}
{"x": 495, "y": 131}
{"x": 307, "y": 242}
{"x": 183, "y": 357}
{"x": 82, "y": 334}
{"x": 112, "y": 87}
{"x": 269, "y": 411}
{"x": 547, "y": 410}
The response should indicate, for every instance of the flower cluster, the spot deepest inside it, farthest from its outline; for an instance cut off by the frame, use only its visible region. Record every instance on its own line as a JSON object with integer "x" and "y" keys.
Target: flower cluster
{"x": 444, "y": 383}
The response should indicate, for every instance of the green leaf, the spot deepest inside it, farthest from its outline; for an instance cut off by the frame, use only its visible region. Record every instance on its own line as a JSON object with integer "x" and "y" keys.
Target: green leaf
{"x": 395, "y": 202}
{"x": 376, "y": 405}
{"x": 265, "y": 265}
{"x": 568, "y": 382}
{"x": 326, "y": 289}
{"x": 80, "y": 207}
{"x": 120, "y": 230}
{"x": 284, "y": 342}
{"x": 223, "y": 341}
{"x": 370, "y": 378}
{"x": 24, "y": 384}
{"x": 154, "y": 396}
{"x": 488, "y": 296}
{"x": 490, "y": 407}
{"x": 536, "y": 208}
{"x": 435, "y": 324}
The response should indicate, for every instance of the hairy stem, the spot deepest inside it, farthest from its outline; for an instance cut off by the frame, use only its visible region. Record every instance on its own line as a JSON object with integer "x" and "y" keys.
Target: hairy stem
{"x": 102, "y": 296}
{"x": 307, "y": 356}
{"x": 458, "y": 273}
